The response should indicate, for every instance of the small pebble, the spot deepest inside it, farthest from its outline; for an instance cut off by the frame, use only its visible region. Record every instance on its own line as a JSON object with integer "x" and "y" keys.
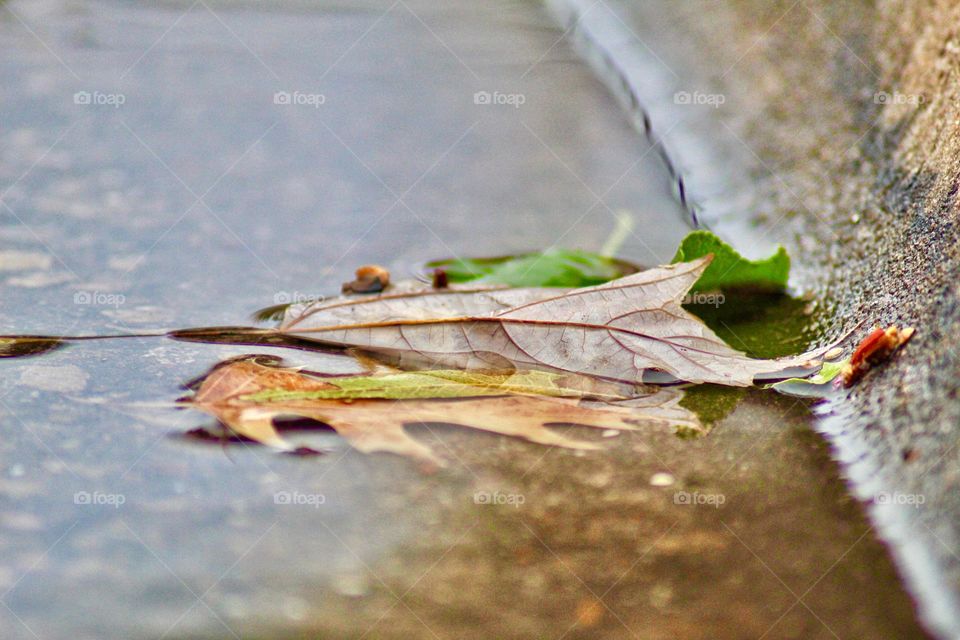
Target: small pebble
{"x": 600, "y": 480}
{"x": 610, "y": 433}
{"x": 352, "y": 585}
{"x": 589, "y": 612}
{"x": 662, "y": 479}
{"x": 65, "y": 379}
{"x": 21, "y": 521}
{"x": 660, "y": 595}
{"x": 836, "y": 352}
{"x": 294, "y": 608}
{"x": 21, "y": 260}
{"x": 235, "y": 606}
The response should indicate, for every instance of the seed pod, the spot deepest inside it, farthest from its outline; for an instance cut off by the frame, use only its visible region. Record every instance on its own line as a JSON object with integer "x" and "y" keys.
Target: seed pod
{"x": 874, "y": 349}
{"x": 371, "y": 278}
{"x": 440, "y": 279}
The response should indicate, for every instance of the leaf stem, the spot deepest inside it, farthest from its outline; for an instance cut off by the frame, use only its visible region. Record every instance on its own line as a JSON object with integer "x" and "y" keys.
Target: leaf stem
{"x": 623, "y": 228}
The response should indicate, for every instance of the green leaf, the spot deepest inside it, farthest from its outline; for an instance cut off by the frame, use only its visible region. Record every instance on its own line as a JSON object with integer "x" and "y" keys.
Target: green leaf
{"x": 569, "y": 268}
{"x": 443, "y": 384}
{"x": 731, "y": 270}
{"x": 815, "y": 385}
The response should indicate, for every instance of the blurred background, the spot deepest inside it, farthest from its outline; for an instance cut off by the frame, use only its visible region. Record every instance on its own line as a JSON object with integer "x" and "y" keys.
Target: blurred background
{"x": 175, "y": 164}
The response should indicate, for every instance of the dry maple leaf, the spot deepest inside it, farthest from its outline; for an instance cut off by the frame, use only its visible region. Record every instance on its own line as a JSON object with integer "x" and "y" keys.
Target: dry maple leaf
{"x": 230, "y": 393}
{"x": 411, "y": 300}
{"x": 619, "y": 330}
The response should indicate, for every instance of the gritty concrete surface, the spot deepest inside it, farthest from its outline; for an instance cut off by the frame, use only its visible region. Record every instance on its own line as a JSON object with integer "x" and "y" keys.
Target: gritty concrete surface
{"x": 202, "y": 197}
{"x": 838, "y": 133}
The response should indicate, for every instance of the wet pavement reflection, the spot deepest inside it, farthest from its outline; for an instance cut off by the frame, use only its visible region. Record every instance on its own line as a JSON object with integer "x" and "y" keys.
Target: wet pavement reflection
{"x": 175, "y": 165}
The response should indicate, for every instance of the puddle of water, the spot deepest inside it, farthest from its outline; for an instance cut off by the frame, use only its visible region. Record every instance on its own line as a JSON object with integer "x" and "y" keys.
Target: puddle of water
{"x": 724, "y": 507}
{"x": 761, "y": 325}
{"x": 204, "y": 196}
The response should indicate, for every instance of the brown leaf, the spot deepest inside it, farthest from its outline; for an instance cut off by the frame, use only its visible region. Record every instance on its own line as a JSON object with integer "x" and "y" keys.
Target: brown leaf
{"x": 378, "y": 425}
{"x": 409, "y": 300}
{"x": 619, "y": 330}
{"x": 22, "y": 346}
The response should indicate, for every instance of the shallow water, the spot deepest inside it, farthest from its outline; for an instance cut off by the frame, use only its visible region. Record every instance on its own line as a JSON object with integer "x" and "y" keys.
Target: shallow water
{"x": 203, "y": 197}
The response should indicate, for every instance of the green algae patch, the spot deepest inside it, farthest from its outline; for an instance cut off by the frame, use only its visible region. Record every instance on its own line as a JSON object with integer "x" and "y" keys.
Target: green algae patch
{"x": 711, "y": 403}
{"x": 762, "y": 325}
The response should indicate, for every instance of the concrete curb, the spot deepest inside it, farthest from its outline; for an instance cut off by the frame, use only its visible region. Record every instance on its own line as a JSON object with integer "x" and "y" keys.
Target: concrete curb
{"x": 874, "y": 439}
